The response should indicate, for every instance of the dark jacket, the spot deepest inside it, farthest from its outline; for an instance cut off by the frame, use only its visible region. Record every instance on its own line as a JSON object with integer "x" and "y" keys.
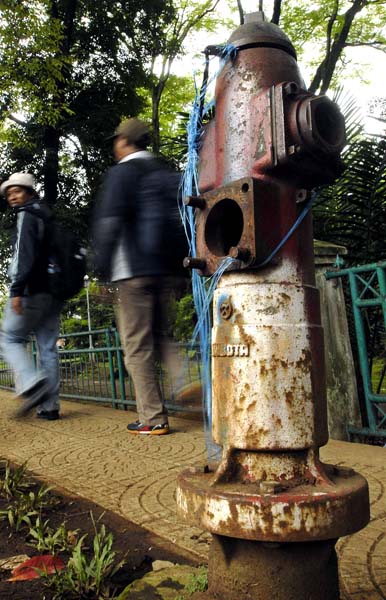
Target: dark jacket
{"x": 28, "y": 268}
{"x": 137, "y": 211}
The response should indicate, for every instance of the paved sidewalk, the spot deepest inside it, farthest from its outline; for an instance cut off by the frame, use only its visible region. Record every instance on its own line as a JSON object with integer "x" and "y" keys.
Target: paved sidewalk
{"x": 89, "y": 453}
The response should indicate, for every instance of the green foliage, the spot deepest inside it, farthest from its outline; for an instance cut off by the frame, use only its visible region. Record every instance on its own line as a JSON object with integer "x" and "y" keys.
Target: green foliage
{"x": 307, "y": 25}
{"x": 71, "y": 70}
{"x": 198, "y": 583}
{"x": 101, "y": 301}
{"x": 352, "y": 212}
{"x": 25, "y": 505}
{"x": 176, "y": 97}
{"x": 87, "y": 577}
{"x": 378, "y": 375}
{"x": 18, "y": 513}
{"x": 13, "y": 480}
{"x": 84, "y": 577}
{"x": 352, "y": 113}
{"x": 184, "y": 318}
{"x": 66, "y": 83}
{"x": 31, "y": 60}
{"x": 178, "y": 21}
{"x": 46, "y": 539}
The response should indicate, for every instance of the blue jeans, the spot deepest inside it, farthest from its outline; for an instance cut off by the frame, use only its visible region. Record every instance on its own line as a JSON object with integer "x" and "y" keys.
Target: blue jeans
{"x": 41, "y": 317}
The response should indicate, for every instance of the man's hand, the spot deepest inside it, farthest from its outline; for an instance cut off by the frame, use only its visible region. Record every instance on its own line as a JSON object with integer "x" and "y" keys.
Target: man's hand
{"x": 17, "y": 304}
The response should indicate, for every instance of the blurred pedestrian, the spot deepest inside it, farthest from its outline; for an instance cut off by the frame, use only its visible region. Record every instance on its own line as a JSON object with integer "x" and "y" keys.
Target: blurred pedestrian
{"x": 140, "y": 244}
{"x": 30, "y": 308}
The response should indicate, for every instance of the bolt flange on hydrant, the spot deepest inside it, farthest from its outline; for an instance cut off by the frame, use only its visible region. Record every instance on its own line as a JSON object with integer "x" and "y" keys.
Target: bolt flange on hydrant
{"x": 274, "y": 510}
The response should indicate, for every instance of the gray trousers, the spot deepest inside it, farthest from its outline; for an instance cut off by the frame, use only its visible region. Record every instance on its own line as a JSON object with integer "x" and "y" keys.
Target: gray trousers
{"x": 142, "y": 314}
{"x": 41, "y": 316}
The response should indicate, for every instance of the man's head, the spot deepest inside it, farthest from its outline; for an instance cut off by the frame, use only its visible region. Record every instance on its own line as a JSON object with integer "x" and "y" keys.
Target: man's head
{"x": 19, "y": 189}
{"x": 130, "y": 136}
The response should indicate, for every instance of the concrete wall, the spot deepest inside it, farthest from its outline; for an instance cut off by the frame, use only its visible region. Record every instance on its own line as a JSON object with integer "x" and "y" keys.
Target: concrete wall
{"x": 342, "y": 397}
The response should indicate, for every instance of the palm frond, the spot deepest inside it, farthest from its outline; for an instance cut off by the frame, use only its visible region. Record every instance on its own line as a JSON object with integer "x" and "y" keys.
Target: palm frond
{"x": 351, "y": 111}
{"x": 352, "y": 212}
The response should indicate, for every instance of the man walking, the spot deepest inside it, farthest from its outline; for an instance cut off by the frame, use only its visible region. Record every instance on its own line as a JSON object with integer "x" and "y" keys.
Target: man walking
{"x": 31, "y": 309}
{"x": 138, "y": 247}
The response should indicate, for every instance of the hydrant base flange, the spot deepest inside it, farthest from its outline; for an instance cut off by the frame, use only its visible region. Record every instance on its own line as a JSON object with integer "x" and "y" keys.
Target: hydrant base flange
{"x": 320, "y": 511}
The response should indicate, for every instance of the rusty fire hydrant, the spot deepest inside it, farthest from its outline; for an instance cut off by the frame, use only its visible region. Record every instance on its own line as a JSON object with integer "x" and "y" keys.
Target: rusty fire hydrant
{"x": 274, "y": 510}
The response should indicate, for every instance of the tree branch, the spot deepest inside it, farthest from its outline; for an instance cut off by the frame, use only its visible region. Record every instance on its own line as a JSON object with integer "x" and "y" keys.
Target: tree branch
{"x": 380, "y": 46}
{"x": 276, "y": 12}
{"x": 241, "y": 12}
{"x": 16, "y": 120}
{"x": 330, "y": 25}
{"x": 381, "y": 119}
{"x": 325, "y": 71}
{"x": 190, "y": 23}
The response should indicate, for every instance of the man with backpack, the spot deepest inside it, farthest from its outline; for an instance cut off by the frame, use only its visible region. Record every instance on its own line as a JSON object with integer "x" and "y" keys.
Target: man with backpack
{"x": 139, "y": 245}
{"x": 31, "y": 308}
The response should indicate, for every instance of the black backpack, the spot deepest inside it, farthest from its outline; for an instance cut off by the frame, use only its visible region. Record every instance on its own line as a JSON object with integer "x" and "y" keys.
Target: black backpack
{"x": 66, "y": 266}
{"x": 65, "y": 257}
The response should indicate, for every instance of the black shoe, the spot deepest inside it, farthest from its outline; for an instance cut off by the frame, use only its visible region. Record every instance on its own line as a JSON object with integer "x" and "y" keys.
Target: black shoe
{"x": 134, "y": 426}
{"x": 49, "y": 415}
{"x": 33, "y": 397}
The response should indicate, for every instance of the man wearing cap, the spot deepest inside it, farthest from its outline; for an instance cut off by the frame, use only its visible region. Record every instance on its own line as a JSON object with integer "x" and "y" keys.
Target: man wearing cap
{"x": 128, "y": 252}
{"x": 30, "y": 308}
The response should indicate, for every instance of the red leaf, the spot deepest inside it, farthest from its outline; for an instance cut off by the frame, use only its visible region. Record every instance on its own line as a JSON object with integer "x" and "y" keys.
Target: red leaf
{"x": 30, "y": 568}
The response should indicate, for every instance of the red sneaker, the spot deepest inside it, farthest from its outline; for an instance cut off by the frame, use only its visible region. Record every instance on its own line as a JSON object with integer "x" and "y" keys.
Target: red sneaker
{"x": 139, "y": 428}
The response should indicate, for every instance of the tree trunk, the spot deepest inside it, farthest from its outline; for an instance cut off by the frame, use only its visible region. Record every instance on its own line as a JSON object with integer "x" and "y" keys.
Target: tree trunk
{"x": 325, "y": 71}
{"x": 52, "y": 134}
{"x": 156, "y": 99}
{"x": 51, "y": 140}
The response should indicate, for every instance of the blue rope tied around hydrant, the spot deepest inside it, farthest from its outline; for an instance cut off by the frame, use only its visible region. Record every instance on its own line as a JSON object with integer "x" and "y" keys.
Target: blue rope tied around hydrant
{"x": 202, "y": 288}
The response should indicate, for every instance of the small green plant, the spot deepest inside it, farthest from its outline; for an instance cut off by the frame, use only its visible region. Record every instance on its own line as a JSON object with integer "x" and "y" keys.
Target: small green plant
{"x": 87, "y": 577}
{"x": 198, "y": 583}
{"x": 46, "y": 539}
{"x": 13, "y": 480}
{"x": 24, "y": 505}
{"x": 17, "y": 514}
{"x": 40, "y": 499}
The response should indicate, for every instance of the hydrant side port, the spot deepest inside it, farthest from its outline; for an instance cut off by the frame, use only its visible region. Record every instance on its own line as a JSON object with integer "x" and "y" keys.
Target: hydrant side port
{"x": 237, "y": 220}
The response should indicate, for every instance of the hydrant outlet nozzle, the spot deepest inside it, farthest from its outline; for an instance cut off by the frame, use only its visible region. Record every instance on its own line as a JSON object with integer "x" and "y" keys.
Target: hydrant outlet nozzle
{"x": 195, "y": 202}
{"x": 194, "y": 263}
{"x": 239, "y": 253}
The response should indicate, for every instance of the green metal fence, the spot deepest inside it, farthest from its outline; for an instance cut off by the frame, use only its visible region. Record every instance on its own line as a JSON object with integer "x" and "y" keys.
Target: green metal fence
{"x": 92, "y": 368}
{"x": 368, "y": 292}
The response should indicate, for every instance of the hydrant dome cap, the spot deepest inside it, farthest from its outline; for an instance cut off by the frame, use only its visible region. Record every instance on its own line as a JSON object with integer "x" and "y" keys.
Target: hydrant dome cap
{"x": 262, "y": 33}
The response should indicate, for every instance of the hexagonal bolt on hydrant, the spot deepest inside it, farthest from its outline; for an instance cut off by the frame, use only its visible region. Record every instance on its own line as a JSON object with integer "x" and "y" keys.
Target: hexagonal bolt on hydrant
{"x": 274, "y": 510}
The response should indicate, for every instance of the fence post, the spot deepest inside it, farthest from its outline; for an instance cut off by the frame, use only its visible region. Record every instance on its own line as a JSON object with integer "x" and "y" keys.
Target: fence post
{"x": 34, "y": 353}
{"x": 121, "y": 375}
{"x": 362, "y": 349}
{"x": 382, "y": 289}
{"x": 111, "y": 369}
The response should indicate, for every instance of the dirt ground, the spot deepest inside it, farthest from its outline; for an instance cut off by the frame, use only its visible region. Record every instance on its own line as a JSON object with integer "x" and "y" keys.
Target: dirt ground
{"x": 137, "y": 546}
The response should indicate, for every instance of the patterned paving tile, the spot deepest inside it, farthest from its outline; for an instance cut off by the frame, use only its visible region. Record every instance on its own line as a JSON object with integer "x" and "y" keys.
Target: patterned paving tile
{"x": 90, "y": 453}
